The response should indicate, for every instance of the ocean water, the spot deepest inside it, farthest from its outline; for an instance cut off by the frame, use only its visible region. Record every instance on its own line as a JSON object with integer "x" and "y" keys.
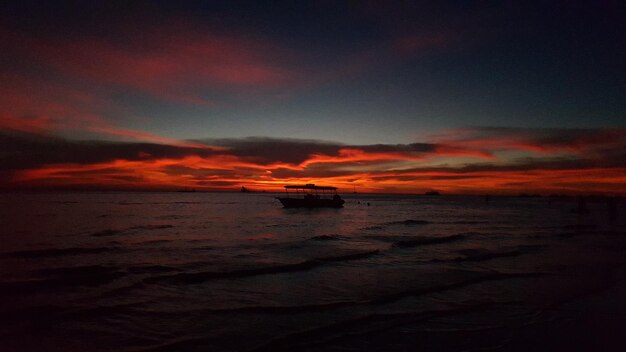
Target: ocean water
{"x": 237, "y": 272}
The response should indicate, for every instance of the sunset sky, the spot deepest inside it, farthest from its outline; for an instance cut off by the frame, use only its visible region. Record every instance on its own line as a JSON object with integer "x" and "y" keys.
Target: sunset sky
{"x": 460, "y": 96}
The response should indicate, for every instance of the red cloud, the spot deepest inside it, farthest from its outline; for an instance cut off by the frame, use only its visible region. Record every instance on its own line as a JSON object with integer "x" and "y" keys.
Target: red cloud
{"x": 347, "y": 155}
{"x": 24, "y": 100}
{"x": 260, "y": 164}
{"x": 155, "y": 174}
{"x": 595, "y": 180}
{"x": 227, "y": 172}
{"x": 172, "y": 63}
{"x": 43, "y": 107}
{"x": 30, "y": 124}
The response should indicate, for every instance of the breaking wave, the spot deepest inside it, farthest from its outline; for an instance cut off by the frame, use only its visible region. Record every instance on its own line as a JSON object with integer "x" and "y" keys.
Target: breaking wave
{"x": 422, "y": 240}
{"x": 190, "y": 278}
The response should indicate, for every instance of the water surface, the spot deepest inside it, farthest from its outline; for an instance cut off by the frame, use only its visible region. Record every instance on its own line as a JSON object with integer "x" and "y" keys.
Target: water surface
{"x": 236, "y": 272}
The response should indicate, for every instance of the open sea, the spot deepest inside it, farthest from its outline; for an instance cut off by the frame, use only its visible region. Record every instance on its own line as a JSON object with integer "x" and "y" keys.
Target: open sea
{"x": 237, "y": 272}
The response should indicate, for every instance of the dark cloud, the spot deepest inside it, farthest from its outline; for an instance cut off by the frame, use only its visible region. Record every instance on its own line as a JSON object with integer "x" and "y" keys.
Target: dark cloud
{"x": 398, "y": 148}
{"x": 525, "y": 164}
{"x": 25, "y": 150}
{"x": 547, "y": 139}
{"x": 271, "y": 150}
{"x": 265, "y": 151}
{"x": 20, "y": 150}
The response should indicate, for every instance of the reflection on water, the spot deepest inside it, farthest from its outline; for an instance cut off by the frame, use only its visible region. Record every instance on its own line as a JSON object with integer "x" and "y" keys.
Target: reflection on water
{"x": 199, "y": 271}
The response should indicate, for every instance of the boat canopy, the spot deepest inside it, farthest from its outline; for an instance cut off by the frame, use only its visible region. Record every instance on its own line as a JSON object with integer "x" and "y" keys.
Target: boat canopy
{"x": 312, "y": 187}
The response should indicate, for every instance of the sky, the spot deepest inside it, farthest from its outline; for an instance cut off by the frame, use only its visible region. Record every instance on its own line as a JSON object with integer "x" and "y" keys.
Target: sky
{"x": 469, "y": 97}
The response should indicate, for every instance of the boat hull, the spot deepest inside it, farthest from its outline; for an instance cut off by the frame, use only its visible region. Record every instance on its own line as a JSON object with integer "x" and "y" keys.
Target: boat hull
{"x": 310, "y": 203}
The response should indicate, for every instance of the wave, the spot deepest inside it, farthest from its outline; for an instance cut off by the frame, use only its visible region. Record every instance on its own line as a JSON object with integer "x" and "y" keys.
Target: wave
{"x": 304, "y": 308}
{"x": 477, "y": 255}
{"x": 319, "y": 338}
{"x": 326, "y": 238}
{"x": 380, "y": 321}
{"x": 581, "y": 233}
{"x": 468, "y": 222}
{"x": 205, "y": 248}
{"x": 375, "y": 227}
{"x": 152, "y": 242}
{"x": 75, "y": 271}
{"x": 117, "y": 292}
{"x": 152, "y": 227}
{"x": 423, "y": 240}
{"x": 60, "y": 278}
{"x": 105, "y": 233}
{"x": 150, "y": 269}
{"x": 282, "y": 225}
{"x": 380, "y": 300}
{"x": 496, "y": 276}
{"x": 341, "y": 258}
{"x": 57, "y": 252}
{"x": 544, "y": 234}
{"x": 53, "y": 314}
{"x": 191, "y": 278}
{"x": 158, "y": 203}
{"x": 409, "y": 222}
{"x": 611, "y": 233}
{"x": 111, "y": 232}
{"x": 576, "y": 227}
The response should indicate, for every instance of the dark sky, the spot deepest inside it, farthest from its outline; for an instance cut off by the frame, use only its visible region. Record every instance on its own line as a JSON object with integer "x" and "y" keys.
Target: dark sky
{"x": 354, "y": 73}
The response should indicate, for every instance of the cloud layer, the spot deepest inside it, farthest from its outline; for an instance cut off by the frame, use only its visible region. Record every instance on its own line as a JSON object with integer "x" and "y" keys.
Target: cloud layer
{"x": 109, "y": 95}
{"x": 480, "y": 160}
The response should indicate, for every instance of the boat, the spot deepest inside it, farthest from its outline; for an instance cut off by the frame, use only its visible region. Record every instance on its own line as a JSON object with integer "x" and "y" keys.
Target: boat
{"x": 311, "y": 196}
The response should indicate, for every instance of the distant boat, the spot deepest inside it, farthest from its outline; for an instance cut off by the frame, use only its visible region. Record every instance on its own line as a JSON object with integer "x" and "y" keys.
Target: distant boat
{"x": 244, "y": 190}
{"x": 186, "y": 189}
{"x": 432, "y": 193}
{"x": 311, "y": 196}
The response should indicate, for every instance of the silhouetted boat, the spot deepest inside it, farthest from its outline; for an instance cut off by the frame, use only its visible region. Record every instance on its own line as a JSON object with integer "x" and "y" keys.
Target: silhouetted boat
{"x": 311, "y": 196}
{"x": 432, "y": 193}
{"x": 244, "y": 190}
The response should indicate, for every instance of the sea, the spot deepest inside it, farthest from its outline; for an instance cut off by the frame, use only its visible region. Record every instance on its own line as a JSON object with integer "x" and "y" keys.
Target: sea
{"x": 198, "y": 271}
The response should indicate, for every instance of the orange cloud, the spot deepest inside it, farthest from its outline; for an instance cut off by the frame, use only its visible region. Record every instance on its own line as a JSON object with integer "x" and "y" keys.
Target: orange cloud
{"x": 357, "y": 155}
{"x": 225, "y": 172}
{"x": 269, "y": 164}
